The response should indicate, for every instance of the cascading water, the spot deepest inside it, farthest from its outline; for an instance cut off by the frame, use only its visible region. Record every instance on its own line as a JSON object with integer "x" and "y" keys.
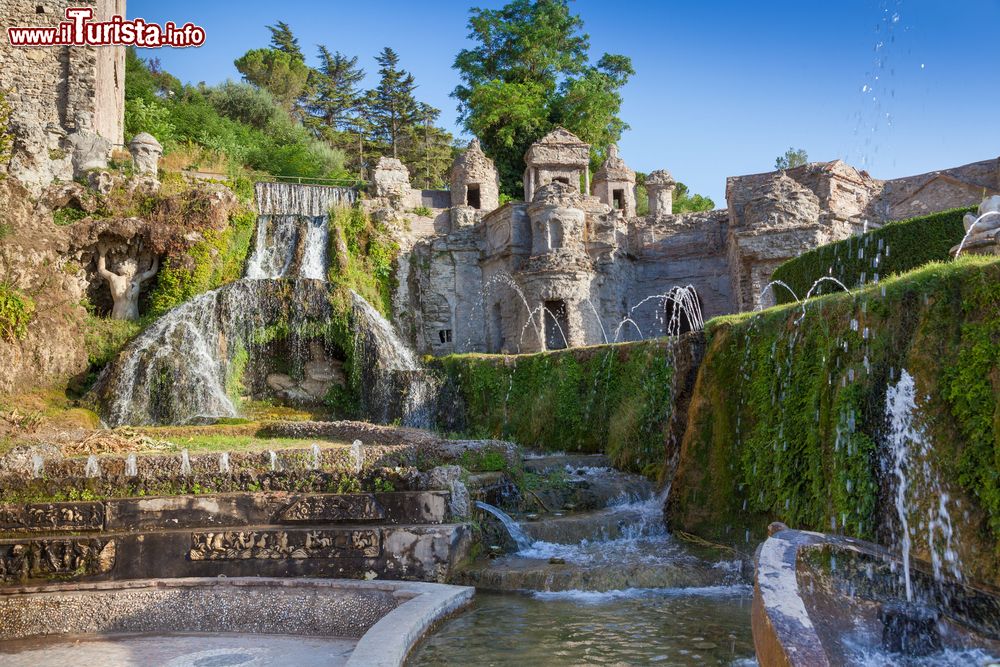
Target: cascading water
{"x": 520, "y": 538}
{"x": 391, "y": 369}
{"x": 908, "y": 448}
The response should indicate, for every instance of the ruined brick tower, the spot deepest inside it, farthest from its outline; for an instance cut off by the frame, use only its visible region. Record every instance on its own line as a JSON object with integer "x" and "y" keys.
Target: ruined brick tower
{"x": 56, "y": 92}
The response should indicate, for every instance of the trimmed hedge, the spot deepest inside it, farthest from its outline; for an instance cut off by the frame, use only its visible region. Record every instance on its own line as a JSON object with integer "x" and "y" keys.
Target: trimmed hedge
{"x": 896, "y": 248}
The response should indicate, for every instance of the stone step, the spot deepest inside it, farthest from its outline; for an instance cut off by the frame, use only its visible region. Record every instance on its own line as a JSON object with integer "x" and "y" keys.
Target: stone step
{"x": 547, "y": 462}
{"x": 406, "y": 551}
{"x": 515, "y": 573}
{"x": 232, "y": 509}
{"x": 600, "y": 525}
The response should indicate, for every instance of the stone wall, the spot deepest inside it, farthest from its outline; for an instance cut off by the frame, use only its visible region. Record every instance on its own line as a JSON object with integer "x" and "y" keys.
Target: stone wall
{"x": 56, "y": 91}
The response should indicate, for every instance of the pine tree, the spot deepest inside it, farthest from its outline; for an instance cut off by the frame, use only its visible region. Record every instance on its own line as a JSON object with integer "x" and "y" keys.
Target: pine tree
{"x": 393, "y": 107}
{"x": 282, "y": 39}
{"x": 336, "y": 98}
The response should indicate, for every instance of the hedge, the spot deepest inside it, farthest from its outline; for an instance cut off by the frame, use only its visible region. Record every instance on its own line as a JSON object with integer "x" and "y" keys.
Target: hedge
{"x": 896, "y": 248}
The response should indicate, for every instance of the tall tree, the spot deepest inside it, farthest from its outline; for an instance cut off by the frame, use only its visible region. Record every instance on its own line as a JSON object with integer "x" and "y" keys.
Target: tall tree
{"x": 530, "y": 71}
{"x": 283, "y": 75}
{"x": 392, "y": 108}
{"x": 793, "y": 157}
{"x": 336, "y": 97}
{"x": 429, "y": 151}
{"x": 283, "y": 40}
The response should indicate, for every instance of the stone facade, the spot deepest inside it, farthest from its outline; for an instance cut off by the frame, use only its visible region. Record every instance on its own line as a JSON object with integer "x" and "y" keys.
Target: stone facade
{"x": 58, "y": 92}
{"x": 567, "y": 268}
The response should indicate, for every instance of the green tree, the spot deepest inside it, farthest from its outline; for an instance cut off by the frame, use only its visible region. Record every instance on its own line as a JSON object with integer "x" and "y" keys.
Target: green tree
{"x": 793, "y": 157}
{"x": 283, "y": 75}
{"x": 528, "y": 72}
{"x": 283, "y": 40}
{"x": 392, "y": 108}
{"x": 429, "y": 151}
{"x": 336, "y": 97}
{"x": 686, "y": 202}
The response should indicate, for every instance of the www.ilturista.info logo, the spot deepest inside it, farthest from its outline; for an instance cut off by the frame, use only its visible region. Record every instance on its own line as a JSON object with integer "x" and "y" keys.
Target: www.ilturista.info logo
{"x": 79, "y": 30}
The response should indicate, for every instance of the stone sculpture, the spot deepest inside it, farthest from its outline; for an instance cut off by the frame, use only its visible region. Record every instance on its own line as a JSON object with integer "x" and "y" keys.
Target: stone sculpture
{"x": 146, "y": 152}
{"x": 982, "y": 229}
{"x": 127, "y": 283}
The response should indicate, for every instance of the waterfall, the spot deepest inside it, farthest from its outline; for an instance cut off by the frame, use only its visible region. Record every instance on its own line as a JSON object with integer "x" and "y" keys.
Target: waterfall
{"x": 392, "y": 371}
{"x": 291, "y": 236}
{"x": 176, "y": 371}
{"x": 520, "y": 538}
{"x": 183, "y": 368}
{"x": 307, "y": 200}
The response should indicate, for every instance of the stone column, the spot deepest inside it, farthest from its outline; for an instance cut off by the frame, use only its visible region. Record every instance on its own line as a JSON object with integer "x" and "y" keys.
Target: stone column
{"x": 660, "y": 187}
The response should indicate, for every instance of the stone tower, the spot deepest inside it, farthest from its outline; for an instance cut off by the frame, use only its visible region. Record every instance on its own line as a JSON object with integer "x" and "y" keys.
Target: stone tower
{"x": 660, "y": 186}
{"x": 474, "y": 180}
{"x": 558, "y": 156}
{"x": 614, "y": 184}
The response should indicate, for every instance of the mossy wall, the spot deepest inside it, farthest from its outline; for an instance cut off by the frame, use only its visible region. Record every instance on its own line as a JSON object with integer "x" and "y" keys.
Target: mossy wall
{"x": 614, "y": 399}
{"x": 788, "y": 413}
{"x": 894, "y": 249}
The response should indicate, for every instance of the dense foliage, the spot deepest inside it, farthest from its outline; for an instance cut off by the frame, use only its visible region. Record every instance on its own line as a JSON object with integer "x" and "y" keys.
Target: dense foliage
{"x": 16, "y": 309}
{"x": 788, "y": 414}
{"x": 212, "y": 262}
{"x": 893, "y": 249}
{"x": 232, "y": 126}
{"x": 528, "y": 72}
{"x": 361, "y": 256}
{"x": 613, "y": 399}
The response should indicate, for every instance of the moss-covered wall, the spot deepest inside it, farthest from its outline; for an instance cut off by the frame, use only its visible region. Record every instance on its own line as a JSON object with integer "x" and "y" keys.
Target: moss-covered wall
{"x": 788, "y": 411}
{"x": 615, "y": 399}
{"x": 894, "y": 249}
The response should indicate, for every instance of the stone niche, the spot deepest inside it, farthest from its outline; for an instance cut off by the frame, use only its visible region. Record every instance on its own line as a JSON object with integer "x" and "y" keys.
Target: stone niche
{"x": 474, "y": 180}
{"x": 614, "y": 184}
{"x": 559, "y": 156}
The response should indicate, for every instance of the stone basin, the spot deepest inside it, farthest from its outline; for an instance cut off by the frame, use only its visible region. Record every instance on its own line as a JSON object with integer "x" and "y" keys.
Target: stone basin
{"x": 824, "y": 600}
{"x": 283, "y": 621}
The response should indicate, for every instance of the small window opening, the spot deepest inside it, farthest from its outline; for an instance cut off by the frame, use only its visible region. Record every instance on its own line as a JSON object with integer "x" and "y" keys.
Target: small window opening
{"x": 561, "y": 179}
{"x": 39, "y": 9}
{"x": 472, "y": 195}
{"x": 556, "y": 325}
{"x": 618, "y": 197}
{"x": 445, "y": 335}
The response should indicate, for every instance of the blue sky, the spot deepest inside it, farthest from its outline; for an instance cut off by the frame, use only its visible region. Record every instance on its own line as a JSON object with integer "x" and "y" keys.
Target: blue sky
{"x": 897, "y": 87}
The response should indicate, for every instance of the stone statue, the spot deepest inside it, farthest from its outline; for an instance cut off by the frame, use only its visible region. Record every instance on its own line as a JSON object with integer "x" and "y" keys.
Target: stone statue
{"x": 127, "y": 283}
{"x": 983, "y": 237}
{"x": 146, "y": 152}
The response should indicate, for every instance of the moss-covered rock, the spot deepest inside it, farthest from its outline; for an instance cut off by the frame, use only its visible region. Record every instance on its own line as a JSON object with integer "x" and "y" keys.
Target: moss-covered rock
{"x": 788, "y": 411}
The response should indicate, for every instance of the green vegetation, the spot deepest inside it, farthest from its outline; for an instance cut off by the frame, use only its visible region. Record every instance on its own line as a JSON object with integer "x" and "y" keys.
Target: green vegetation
{"x": 231, "y": 127}
{"x": 104, "y": 338}
{"x": 683, "y": 200}
{"x": 785, "y": 415}
{"x": 209, "y": 263}
{"x": 793, "y": 157}
{"x": 370, "y": 252}
{"x": 68, "y": 215}
{"x": 16, "y": 309}
{"x": 6, "y": 138}
{"x": 614, "y": 399}
{"x": 527, "y": 72}
{"x": 893, "y": 249}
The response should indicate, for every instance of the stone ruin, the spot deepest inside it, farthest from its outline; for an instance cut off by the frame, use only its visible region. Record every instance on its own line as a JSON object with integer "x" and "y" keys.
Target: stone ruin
{"x": 573, "y": 261}
{"x": 67, "y": 102}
